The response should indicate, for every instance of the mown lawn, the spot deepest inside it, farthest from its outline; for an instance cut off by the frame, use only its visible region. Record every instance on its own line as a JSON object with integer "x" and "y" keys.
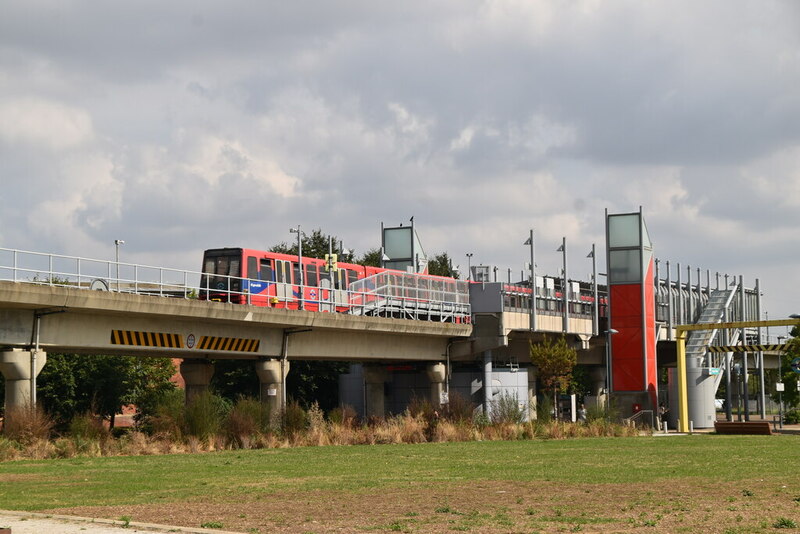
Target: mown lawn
{"x": 668, "y": 478}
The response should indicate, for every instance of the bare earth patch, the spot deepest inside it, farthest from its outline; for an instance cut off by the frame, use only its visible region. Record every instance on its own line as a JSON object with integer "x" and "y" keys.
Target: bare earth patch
{"x": 685, "y": 505}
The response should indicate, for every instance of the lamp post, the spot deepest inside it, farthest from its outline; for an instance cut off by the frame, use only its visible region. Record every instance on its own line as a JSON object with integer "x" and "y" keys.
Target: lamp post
{"x": 117, "y": 243}
{"x": 565, "y": 288}
{"x": 530, "y": 243}
{"x": 595, "y": 315}
{"x": 610, "y": 332}
{"x": 469, "y": 266}
{"x": 299, "y": 263}
{"x": 779, "y": 385}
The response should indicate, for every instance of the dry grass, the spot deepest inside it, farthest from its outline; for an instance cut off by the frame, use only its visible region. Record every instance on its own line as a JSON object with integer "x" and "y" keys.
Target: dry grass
{"x": 27, "y": 432}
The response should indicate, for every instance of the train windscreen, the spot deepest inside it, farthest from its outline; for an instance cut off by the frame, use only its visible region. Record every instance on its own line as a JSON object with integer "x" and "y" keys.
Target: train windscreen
{"x": 223, "y": 264}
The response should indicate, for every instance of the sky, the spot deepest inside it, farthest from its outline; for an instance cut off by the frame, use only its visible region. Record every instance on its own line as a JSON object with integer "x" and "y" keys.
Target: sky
{"x": 186, "y": 125}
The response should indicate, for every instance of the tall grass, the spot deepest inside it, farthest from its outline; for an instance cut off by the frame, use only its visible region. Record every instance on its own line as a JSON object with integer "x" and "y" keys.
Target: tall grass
{"x": 208, "y": 424}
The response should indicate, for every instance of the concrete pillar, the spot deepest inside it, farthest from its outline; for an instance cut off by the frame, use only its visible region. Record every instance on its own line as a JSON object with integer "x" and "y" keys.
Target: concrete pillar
{"x": 197, "y": 376}
{"x": 487, "y": 382}
{"x": 15, "y": 365}
{"x": 374, "y": 380}
{"x": 533, "y": 374}
{"x": 437, "y": 373}
{"x": 271, "y": 389}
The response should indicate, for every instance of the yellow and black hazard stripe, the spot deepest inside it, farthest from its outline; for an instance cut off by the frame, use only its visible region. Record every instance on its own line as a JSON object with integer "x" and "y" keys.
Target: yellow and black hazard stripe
{"x": 146, "y": 339}
{"x": 233, "y": 344}
{"x": 745, "y": 348}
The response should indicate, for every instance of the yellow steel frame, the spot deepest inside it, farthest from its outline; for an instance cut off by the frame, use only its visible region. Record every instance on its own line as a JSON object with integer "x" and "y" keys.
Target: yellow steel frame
{"x": 681, "y": 330}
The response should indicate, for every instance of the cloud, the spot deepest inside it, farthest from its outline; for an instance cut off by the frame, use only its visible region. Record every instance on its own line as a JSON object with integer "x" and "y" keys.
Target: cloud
{"x": 47, "y": 124}
{"x": 223, "y": 125}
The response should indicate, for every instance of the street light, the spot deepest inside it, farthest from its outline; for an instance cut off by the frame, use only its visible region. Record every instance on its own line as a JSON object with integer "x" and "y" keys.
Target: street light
{"x": 595, "y": 316}
{"x": 610, "y": 332}
{"x": 299, "y": 263}
{"x": 565, "y": 289}
{"x": 117, "y": 243}
{"x": 779, "y": 385}
{"x": 530, "y": 243}
{"x": 469, "y": 266}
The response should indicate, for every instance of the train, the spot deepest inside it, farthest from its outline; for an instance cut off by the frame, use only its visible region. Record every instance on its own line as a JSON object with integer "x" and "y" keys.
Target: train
{"x": 272, "y": 279}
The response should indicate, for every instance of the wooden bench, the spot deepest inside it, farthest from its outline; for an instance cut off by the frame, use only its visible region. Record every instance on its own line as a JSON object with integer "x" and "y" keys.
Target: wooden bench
{"x": 760, "y": 428}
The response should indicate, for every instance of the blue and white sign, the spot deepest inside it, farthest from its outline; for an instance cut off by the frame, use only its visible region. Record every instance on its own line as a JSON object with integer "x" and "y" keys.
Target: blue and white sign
{"x": 796, "y": 365}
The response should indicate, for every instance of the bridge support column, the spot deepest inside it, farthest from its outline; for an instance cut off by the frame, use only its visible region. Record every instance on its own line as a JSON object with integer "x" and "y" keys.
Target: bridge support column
{"x": 197, "y": 376}
{"x": 15, "y": 365}
{"x": 598, "y": 378}
{"x": 271, "y": 383}
{"x": 533, "y": 373}
{"x": 374, "y": 385}
{"x": 437, "y": 374}
{"x": 487, "y": 382}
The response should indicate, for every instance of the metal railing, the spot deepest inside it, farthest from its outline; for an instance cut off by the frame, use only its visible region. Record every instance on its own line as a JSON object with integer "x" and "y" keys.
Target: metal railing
{"x": 408, "y": 295}
{"x": 431, "y": 303}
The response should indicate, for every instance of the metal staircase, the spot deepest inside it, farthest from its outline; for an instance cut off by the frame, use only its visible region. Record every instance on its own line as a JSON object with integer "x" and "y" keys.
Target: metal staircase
{"x": 713, "y": 313}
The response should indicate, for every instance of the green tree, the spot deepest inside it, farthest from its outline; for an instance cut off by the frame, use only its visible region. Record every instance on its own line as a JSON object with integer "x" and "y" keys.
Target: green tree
{"x": 372, "y": 258}
{"x": 555, "y": 361}
{"x": 71, "y": 384}
{"x": 442, "y": 265}
{"x": 315, "y": 245}
{"x": 791, "y": 397}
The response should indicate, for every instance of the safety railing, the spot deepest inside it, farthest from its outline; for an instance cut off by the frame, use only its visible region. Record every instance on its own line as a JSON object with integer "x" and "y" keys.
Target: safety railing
{"x": 408, "y": 295}
{"x": 420, "y": 300}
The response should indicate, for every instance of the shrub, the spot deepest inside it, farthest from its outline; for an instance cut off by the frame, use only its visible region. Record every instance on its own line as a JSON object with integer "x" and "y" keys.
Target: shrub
{"x": 459, "y": 408}
{"x": 295, "y": 419}
{"x": 544, "y": 410}
{"x": 26, "y": 425}
{"x": 506, "y": 409}
{"x": 168, "y": 416}
{"x": 344, "y": 415}
{"x": 792, "y": 417}
{"x": 204, "y": 415}
{"x": 88, "y": 427}
{"x": 246, "y": 419}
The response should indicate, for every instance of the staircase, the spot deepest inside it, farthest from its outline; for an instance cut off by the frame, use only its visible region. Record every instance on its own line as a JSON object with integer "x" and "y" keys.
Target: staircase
{"x": 713, "y": 313}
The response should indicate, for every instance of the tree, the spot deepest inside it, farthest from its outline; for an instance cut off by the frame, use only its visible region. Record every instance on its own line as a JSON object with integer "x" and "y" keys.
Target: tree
{"x": 442, "y": 265}
{"x": 791, "y": 397}
{"x": 315, "y": 245}
{"x": 372, "y": 258}
{"x": 555, "y": 361}
{"x": 70, "y": 384}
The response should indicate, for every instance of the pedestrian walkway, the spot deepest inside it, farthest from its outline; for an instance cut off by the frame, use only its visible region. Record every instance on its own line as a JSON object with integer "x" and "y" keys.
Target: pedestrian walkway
{"x": 34, "y": 523}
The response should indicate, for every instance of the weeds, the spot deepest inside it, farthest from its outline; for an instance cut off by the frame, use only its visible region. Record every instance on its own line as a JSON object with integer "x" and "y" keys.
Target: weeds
{"x": 208, "y": 423}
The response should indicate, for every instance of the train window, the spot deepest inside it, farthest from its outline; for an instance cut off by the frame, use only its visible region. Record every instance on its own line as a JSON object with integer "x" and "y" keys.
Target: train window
{"x": 295, "y": 272}
{"x": 312, "y": 275}
{"x": 266, "y": 270}
{"x": 352, "y": 276}
{"x": 252, "y": 268}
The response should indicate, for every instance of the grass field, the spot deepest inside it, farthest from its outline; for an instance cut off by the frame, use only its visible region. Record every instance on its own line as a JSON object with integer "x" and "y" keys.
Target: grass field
{"x": 732, "y": 484}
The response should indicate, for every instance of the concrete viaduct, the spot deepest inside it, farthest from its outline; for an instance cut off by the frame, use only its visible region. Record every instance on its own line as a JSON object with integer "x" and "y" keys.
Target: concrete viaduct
{"x": 36, "y": 319}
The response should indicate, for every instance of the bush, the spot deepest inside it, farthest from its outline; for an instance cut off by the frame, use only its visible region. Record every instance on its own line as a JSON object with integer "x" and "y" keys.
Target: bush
{"x": 459, "y": 408}
{"x": 168, "y": 417}
{"x": 792, "y": 417}
{"x": 344, "y": 415}
{"x": 245, "y": 420}
{"x": 26, "y": 425}
{"x": 204, "y": 415}
{"x": 88, "y": 427}
{"x": 507, "y": 410}
{"x": 544, "y": 410}
{"x": 295, "y": 419}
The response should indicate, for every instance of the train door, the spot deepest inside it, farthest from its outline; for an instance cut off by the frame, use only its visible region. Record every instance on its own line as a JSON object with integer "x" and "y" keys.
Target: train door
{"x": 326, "y": 291}
{"x": 341, "y": 297}
{"x": 312, "y": 292}
{"x": 283, "y": 282}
